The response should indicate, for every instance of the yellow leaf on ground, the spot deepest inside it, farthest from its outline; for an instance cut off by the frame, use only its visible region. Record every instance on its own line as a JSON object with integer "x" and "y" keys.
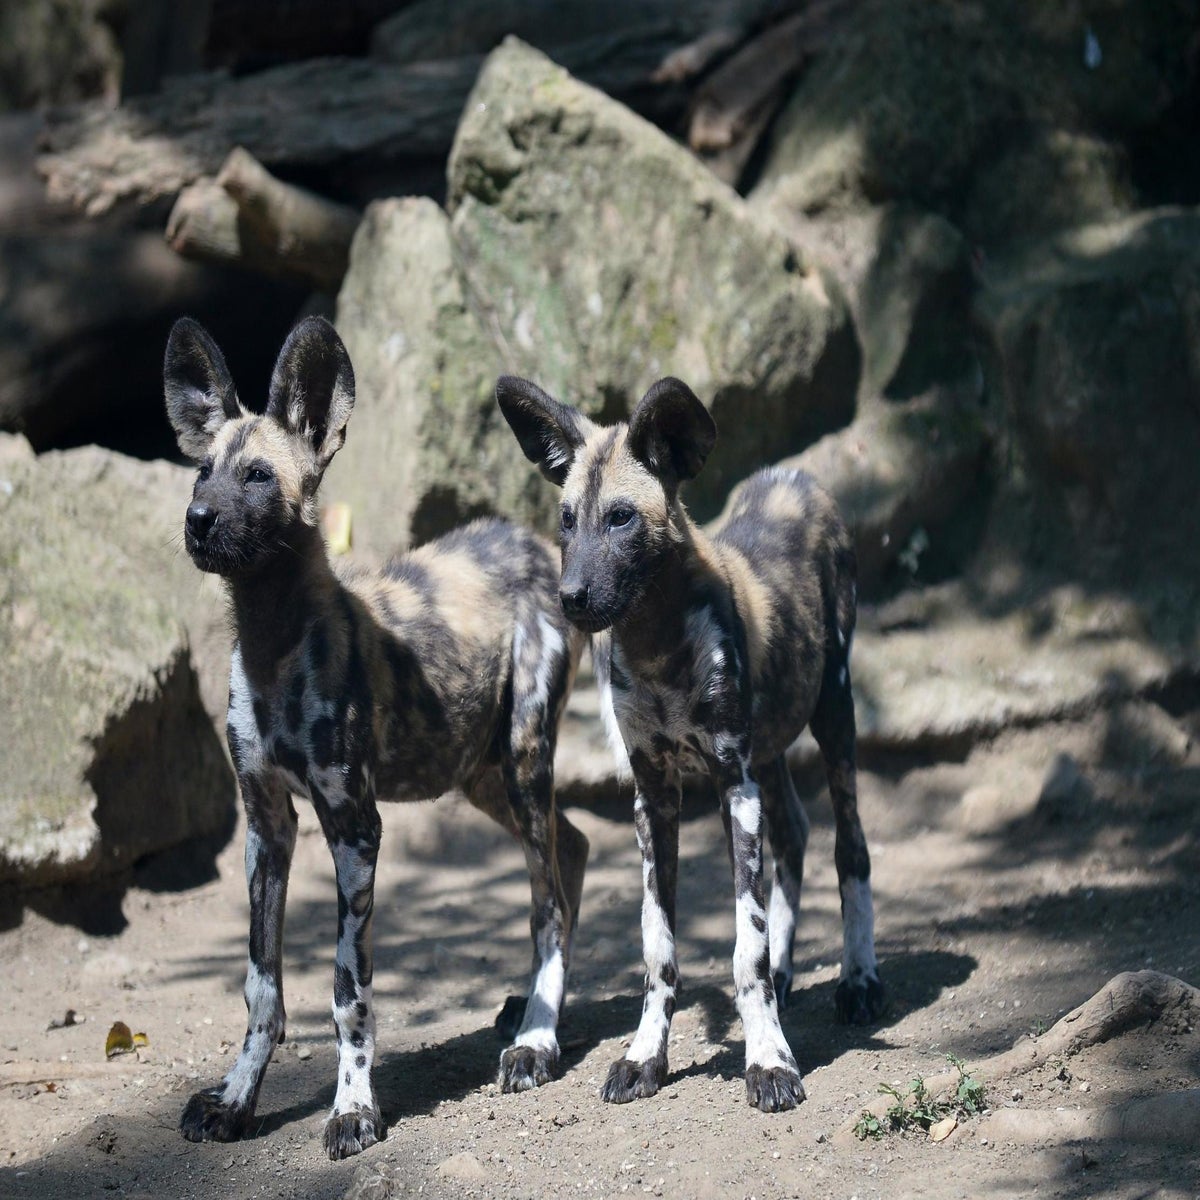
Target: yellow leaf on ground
{"x": 119, "y": 1040}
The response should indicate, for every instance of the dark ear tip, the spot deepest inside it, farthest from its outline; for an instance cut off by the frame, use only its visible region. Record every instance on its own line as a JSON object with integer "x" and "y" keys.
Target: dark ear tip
{"x": 186, "y": 331}
{"x": 512, "y": 387}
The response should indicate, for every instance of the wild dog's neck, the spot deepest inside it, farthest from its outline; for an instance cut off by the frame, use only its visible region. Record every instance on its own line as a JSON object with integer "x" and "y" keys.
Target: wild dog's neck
{"x": 654, "y": 626}
{"x": 274, "y": 601}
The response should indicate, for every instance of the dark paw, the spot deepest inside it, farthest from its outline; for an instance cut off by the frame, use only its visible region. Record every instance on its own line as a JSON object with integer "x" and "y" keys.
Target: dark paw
{"x": 351, "y": 1133}
{"x": 633, "y": 1081}
{"x": 523, "y": 1068}
{"x": 783, "y": 988}
{"x": 861, "y": 1001}
{"x": 207, "y": 1119}
{"x": 509, "y": 1018}
{"x": 773, "y": 1089}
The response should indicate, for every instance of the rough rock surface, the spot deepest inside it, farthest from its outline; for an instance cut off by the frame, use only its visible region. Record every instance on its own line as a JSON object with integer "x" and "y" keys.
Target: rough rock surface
{"x": 899, "y": 469}
{"x": 1094, "y": 334}
{"x": 608, "y": 257}
{"x": 109, "y": 753}
{"x": 908, "y": 278}
{"x": 427, "y": 447}
{"x": 910, "y": 99}
{"x": 588, "y": 251}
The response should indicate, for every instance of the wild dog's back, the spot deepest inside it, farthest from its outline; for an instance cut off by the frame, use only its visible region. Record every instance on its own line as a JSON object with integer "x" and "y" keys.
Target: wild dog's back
{"x": 443, "y": 631}
{"x": 790, "y": 559}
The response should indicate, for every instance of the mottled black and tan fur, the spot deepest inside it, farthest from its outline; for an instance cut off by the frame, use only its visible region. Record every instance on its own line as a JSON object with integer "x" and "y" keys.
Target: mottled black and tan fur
{"x": 448, "y": 669}
{"x": 716, "y": 648}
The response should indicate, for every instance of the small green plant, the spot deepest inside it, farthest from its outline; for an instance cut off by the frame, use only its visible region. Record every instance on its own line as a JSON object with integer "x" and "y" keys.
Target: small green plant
{"x": 1038, "y": 1028}
{"x": 916, "y": 1109}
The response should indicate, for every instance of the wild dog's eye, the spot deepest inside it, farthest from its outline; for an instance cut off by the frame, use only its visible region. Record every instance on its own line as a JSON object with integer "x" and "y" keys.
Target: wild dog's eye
{"x": 620, "y": 516}
{"x": 205, "y": 470}
{"x": 568, "y": 519}
{"x": 258, "y": 475}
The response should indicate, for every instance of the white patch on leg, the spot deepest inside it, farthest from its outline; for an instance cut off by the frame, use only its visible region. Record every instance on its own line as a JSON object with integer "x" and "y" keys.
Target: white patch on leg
{"x": 539, "y": 1028}
{"x": 781, "y": 924}
{"x": 262, "y": 1005}
{"x": 658, "y": 949}
{"x": 765, "y": 1044}
{"x": 354, "y": 873}
{"x": 858, "y": 930}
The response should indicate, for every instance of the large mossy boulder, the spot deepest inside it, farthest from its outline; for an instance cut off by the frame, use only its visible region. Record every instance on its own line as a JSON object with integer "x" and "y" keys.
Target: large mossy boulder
{"x": 592, "y": 253}
{"x": 109, "y": 752}
{"x": 427, "y": 447}
{"x": 609, "y": 257}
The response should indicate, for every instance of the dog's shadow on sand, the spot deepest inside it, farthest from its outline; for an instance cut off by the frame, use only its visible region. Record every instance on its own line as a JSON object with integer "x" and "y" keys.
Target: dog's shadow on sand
{"x": 413, "y": 1082}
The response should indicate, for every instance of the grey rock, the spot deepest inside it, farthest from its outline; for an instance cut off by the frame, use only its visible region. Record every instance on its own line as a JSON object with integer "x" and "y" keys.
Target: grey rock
{"x": 606, "y": 257}
{"x": 427, "y": 448}
{"x": 109, "y": 752}
{"x": 1094, "y": 337}
{"x": 908, "y": 278}
{"x": 549, "y": 270}
{"x": 901, "y": 470}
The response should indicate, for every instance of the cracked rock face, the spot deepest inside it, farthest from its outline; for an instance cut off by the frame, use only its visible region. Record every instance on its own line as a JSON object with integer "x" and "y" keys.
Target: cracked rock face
{"x": 109, "y": 753}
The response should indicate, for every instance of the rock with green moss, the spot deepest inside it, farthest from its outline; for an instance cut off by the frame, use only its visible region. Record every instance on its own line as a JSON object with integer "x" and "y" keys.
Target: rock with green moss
{"x": 109, "y": 753}
{"x": 604, "y": 256}
{"x": 427, "y": 447}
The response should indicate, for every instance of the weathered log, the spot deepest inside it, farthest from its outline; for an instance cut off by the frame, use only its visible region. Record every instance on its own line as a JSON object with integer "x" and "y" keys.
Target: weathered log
{"x": 249, "y": 218}
{"x": 307, "y": 116}
{"x": 735, "y": 104}
{"x": 303, "y": 119}
{"x": 433, "y": 29}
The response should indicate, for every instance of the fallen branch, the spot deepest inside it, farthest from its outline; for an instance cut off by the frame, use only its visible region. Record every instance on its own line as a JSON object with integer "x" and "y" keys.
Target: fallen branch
{"x": 249, "y": 218}
{"x": 734, "y": 106}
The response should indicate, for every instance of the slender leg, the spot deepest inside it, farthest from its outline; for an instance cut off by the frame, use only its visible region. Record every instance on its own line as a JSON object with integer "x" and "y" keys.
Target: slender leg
{"x": 643, "y": 1069}
{"x": 860, "y": 996}
{"x": 772, "y": 1079}
{"x": 223, "y": 1113}
{"x": 489, "y": 796}
{"x": 541, "y": 672}
{"x": 787, "y": 828}
{"x": 352, "y": 829}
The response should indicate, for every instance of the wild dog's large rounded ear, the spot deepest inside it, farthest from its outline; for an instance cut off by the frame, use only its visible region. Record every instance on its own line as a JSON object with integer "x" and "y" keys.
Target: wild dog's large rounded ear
{"x": 550, "y": 433}
{"x": 197, "y": 387}
{"x": 312, "y": 387}
{"x": 671, "y": 433}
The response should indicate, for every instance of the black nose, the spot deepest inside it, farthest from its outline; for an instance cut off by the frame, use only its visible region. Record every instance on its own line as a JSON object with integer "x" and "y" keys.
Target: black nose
{"x": 200, "y": 519}
{"x": 574, "y": 600}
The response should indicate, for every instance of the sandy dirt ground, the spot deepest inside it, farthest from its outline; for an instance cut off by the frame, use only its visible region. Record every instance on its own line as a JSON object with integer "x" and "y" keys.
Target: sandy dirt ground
{"x": 988, "y": 932}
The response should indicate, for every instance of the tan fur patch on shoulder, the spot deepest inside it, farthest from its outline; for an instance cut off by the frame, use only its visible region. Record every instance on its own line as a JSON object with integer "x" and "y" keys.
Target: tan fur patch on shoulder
{"x": 465, "y": 596}
{"x": 753, "y": 599}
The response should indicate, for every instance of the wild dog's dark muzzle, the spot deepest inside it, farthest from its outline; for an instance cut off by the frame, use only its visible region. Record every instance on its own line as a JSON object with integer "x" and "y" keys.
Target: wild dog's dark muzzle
{"x": 199, "y": 521}
{"x": 574, "y": 600}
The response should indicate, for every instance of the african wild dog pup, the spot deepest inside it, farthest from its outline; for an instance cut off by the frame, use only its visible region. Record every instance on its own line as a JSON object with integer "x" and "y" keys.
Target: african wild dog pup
{"x": 721, "y": 646}
{"x": 449, "y": 668}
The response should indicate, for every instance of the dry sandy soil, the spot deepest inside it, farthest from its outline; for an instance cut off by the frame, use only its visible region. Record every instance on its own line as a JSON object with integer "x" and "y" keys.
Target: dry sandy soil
{"x": 990, "y": 928}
